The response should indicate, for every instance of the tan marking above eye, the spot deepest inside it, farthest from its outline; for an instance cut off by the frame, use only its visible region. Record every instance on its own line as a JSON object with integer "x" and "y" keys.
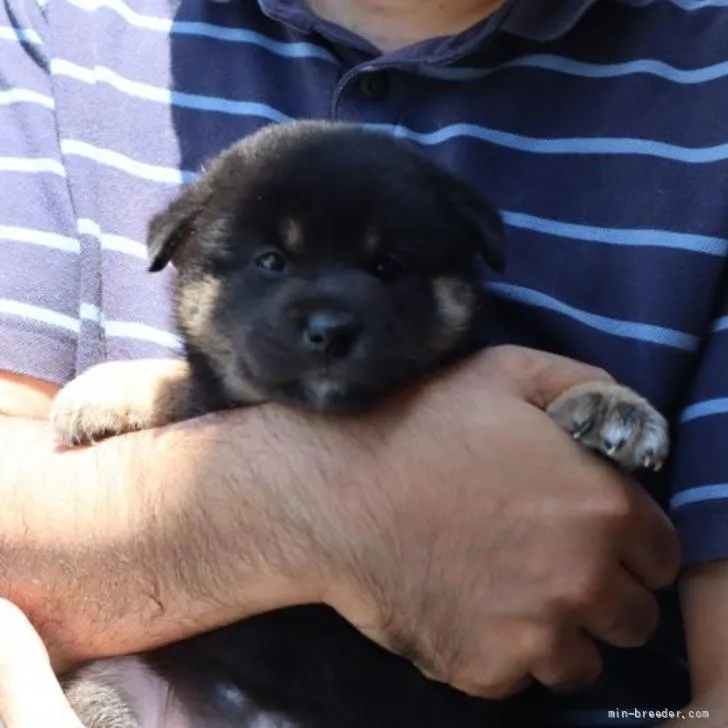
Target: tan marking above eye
{"x": 292, "y": 235}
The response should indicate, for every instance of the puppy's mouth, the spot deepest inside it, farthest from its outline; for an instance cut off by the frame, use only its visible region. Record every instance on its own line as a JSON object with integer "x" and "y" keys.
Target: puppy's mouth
{"x": 325, "y": 391}
{"x": 331, "y": 385}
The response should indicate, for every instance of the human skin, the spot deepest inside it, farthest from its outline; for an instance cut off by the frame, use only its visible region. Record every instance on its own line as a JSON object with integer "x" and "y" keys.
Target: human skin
{"x": 393, "y": 24}
{"x": 30, "y": 695}
{"x": 128, "y": 538}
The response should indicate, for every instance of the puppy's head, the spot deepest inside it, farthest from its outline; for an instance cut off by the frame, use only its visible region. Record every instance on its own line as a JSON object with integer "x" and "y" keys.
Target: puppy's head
{"x": 321, "y": 264}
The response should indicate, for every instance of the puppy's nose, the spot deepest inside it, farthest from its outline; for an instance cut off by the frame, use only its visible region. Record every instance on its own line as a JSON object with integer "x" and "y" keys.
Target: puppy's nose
{"x": 331, "y": 333}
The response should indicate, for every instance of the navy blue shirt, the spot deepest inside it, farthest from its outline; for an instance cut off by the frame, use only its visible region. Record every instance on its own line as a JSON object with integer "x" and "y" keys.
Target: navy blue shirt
{"x": 599, "y": 127}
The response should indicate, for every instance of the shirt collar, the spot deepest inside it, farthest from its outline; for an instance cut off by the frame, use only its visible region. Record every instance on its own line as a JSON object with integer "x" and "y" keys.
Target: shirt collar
{"x": 544, "y": 20}
{"x": 537, "y": 20}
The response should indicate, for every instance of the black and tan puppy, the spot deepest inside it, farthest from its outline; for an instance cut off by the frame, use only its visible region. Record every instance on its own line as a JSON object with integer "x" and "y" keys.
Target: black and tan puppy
{"x": 323, "y": 266}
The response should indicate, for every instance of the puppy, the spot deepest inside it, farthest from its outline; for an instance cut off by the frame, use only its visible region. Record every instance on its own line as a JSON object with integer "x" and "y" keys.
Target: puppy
{"x": 323, "y": 266}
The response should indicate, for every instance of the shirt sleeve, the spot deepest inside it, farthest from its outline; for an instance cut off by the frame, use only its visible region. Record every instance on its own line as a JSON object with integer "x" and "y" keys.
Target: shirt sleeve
{"x": 699, "y": 476}
{"x": 39, "y": 249}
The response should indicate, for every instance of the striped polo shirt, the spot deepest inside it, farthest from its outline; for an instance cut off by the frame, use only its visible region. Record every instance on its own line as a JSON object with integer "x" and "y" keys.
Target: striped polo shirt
{"x": 599, "y": 127}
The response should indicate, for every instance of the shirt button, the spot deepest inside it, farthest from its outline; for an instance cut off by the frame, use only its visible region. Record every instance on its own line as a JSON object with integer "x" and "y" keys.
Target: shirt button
{"x": 374, "y": 85}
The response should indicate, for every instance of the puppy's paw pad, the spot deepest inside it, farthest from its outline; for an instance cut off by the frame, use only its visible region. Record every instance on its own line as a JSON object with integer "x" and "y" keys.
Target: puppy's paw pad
{"x": 616, "y": 422}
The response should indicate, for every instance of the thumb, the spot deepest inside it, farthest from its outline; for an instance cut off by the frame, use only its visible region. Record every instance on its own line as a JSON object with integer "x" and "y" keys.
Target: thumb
{"x": 538, "y": 376}
{"x": 30, "y": 694}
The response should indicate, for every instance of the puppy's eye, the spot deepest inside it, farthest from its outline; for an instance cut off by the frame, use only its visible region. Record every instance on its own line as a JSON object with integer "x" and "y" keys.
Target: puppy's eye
{"x": 389, "y": 267}
{"x": 271, "y": 261}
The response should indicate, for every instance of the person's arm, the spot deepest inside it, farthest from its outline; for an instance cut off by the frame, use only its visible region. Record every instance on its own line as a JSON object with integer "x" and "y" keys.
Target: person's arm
{"x": 77, "y": 527}
{"x": 704, "y": 598}
{"x": 388, "y": 518}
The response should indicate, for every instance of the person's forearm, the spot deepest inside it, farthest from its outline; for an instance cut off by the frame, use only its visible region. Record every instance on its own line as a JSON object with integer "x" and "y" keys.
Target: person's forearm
{"x": 151, "y": 537}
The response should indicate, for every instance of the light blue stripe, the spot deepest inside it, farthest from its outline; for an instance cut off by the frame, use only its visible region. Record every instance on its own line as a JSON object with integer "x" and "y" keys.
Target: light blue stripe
{"x": 20, "y": 35}
{"x": 619, "y": 236}
{"x": 207, "y": 30}
{"x": 720, "y": 324}
{"x": 161, "y": 95}
{"x": 698, "y": 4}
{"x": 141, "y": 332}
{"x": 707, "y": 408}
{"x": 688, "y": 5}
{"x": 586, "y": 146}
{"x": 17, "y": 309}
{"x": 39, "y": 237}
{"x": 224, "y": 106}
{"x": 612, "y": 70}
{"x": 616, "y": 327}
{"x": 116, "y": 160}
{"x": 571, "y": 67}
{"x": 25, "y": 96}
{"x": 34, "y": 165}
{"x": 239, "y": 35}
{"x": 699, "y": 494}
{"x": 109, "y": 241}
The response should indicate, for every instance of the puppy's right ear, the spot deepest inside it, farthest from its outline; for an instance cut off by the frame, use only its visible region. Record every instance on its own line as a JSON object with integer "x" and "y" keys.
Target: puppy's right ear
{"x": 485, "y": 221}
{"x": 172, "y": 231}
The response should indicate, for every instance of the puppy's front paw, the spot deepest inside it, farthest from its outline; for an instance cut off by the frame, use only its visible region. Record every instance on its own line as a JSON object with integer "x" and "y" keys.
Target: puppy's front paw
{"x": 118, "y": 397}
{"x": 615, "y": 421}
{"x": 92, "y": 408}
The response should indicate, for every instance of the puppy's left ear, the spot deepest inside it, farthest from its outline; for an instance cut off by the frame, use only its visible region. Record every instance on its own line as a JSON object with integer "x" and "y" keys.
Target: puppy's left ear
{"x": 172, "y": 231}
{"x": 486, "y": 223}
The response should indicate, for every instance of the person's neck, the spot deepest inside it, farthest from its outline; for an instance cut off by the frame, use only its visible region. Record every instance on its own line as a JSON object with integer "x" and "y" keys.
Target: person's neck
{"x": 393, "y": 24}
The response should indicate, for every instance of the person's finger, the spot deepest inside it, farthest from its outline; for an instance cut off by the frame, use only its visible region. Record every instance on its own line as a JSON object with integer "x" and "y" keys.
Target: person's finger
{"x": 627, "y": 616}
{"x": 541, "y": 377}
{"x": 566, "y": 662}
{"x": 30, "y": 694}
{"x": 651, "y": 551}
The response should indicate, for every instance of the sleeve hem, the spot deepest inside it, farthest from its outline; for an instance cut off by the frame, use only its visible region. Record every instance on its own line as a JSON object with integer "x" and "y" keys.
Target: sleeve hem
{"x": 37, "y": 354}
{"x": 703, "y": 535}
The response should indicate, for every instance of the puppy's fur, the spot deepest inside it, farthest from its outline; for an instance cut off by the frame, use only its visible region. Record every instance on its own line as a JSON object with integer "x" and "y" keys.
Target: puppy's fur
{"x": 322, "y": 266}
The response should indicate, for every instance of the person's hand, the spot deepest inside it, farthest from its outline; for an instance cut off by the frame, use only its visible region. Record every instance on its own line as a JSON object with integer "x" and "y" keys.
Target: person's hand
{"x": 30, "y": 694}
{"x": 492, "y": 549}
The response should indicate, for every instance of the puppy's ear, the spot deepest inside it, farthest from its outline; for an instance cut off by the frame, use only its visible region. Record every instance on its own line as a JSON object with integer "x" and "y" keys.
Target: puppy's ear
{"x": 171, "y": 231}
{"x": 486, "y": 223}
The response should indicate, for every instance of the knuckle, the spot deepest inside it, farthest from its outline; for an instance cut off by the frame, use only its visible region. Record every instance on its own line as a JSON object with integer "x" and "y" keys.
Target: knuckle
{"x": 509, "y": 353}
{"x": 574, "y": 662}
{"x": 611, "y": 507}
{"x": 491, "y": 688}
{"x": 488, "y": 672}
{"x": 514, "y": 361}
{"x": 579, "y": 591}
{"x": 538, "y": 643}
{"x": 634, "y": 629}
